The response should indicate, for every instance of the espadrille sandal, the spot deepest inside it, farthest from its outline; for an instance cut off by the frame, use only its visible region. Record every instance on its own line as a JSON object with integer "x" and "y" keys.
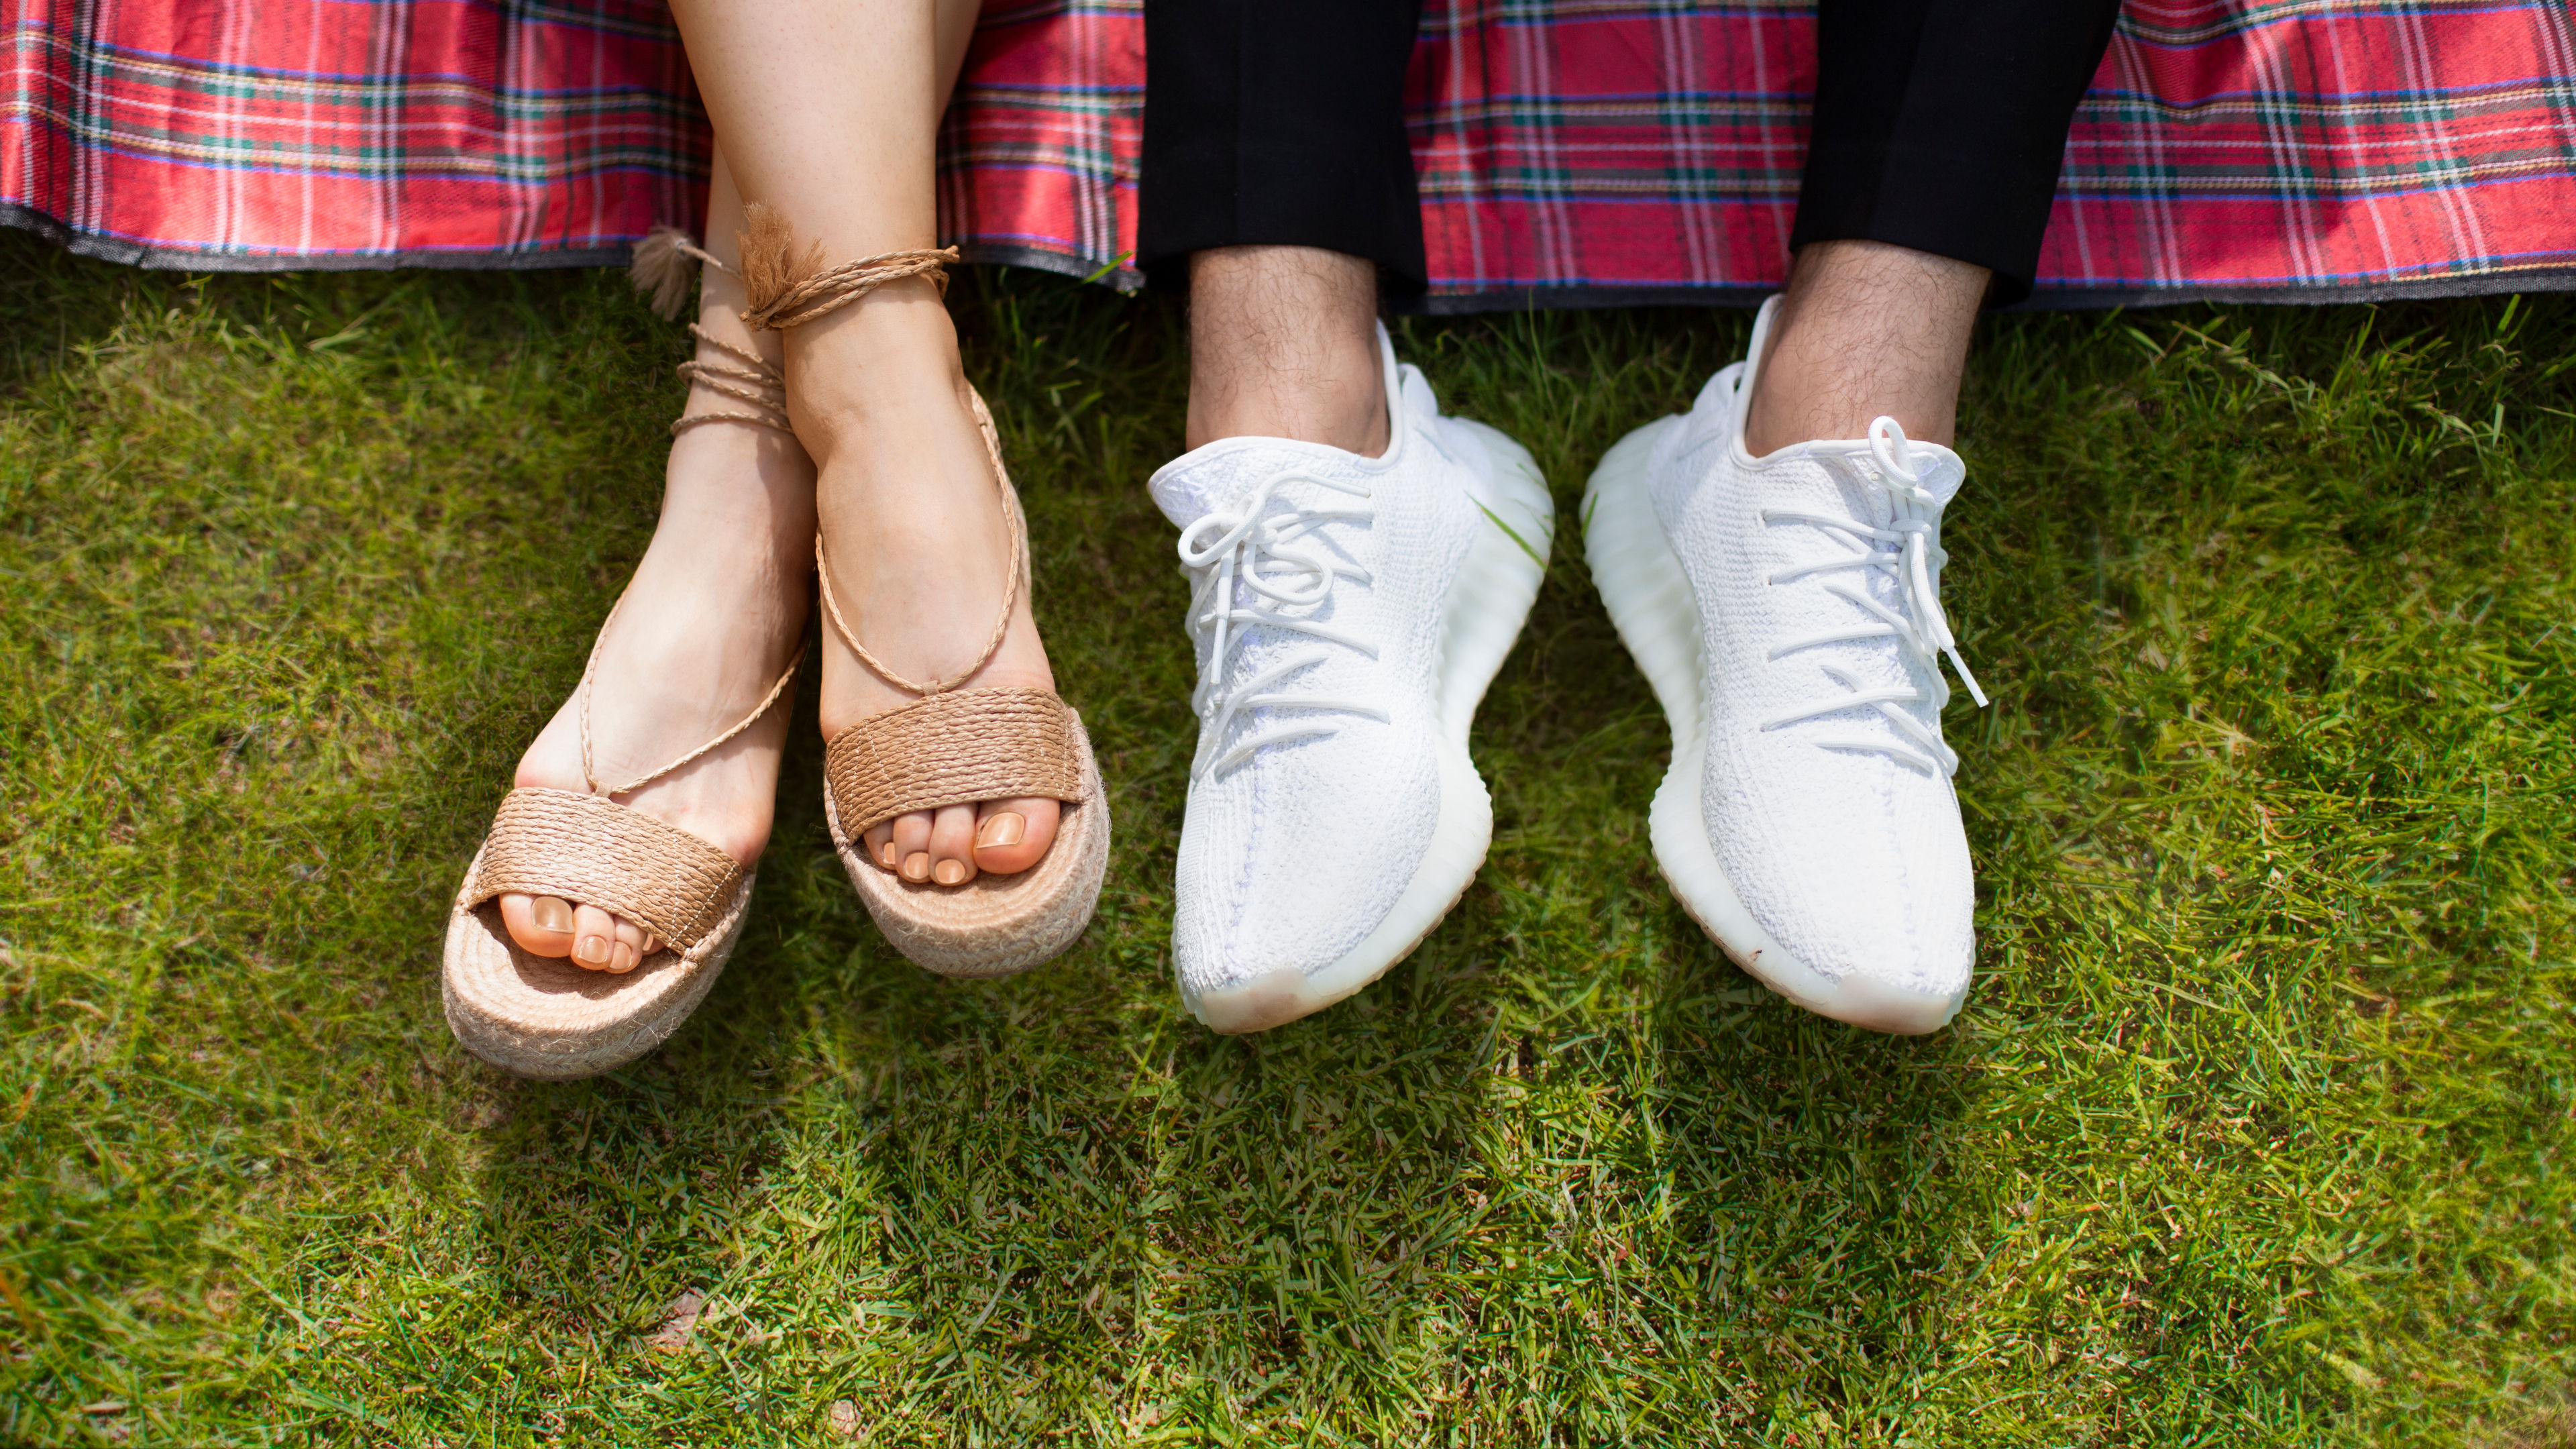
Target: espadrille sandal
{"x": 951, "y": 746}
{"x": 954, "y": 747}
{"x": 546, "y": 1017}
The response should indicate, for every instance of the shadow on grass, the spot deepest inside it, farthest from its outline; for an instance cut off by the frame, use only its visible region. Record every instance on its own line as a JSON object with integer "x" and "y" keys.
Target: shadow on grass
{"x": 2255, "y": 1102}
{"x": 1024, "y": 1195}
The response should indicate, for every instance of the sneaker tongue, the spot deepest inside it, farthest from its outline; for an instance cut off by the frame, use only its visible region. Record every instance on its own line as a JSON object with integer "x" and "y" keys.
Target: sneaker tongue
{"x": 1942, "y": 471}
{"x": 1223, "y": 474}
{"x": 1938, "y": 471}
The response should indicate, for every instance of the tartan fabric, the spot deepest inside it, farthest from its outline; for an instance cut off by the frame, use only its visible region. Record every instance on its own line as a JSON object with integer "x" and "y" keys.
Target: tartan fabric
{"x": 1571, "y": 152}
{"x": 266, "y": 134}
{"x": 1592, "y": 150}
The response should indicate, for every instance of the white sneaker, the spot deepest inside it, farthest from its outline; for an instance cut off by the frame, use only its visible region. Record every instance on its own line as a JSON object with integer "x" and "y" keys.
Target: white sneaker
{"x": 1787, "y": 611}
{"x": 1348, "y": 614}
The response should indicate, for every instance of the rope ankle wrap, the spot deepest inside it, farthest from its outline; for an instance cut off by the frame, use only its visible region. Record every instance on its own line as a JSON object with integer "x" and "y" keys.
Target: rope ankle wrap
{"x": 789, "y": 288}
{"x": 754, "y": 382}
{"x": 661, "y": 271}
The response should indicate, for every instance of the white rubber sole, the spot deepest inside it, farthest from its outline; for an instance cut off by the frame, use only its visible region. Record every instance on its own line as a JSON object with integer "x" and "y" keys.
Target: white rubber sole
{"x": 1650, "y": 601}
{"x": 1496, "y": 586}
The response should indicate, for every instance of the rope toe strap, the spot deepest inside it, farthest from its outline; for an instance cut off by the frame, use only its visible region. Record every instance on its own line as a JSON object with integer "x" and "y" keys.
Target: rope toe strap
{"x": 591, "y": 849}
{"x": 953, "y": 749}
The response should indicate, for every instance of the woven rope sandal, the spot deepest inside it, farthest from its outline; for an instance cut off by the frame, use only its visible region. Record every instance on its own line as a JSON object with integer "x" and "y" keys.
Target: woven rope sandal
{"x": 951, "y": 746}
{"x": 547, "y": 1018}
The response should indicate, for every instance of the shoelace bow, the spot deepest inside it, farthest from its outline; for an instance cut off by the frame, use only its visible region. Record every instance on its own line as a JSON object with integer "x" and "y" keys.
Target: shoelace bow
{"x": 1913, "y": 564}
{"x": 1254, "y": 550}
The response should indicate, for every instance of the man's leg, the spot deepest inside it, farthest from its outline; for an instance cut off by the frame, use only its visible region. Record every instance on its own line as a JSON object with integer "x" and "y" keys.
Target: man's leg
{"x": 1283, "y": 344}
{"x": 1939, "y": 129}
{"x": 1278, "y": 188}
{"x": 1866, "y": 330}
{"x": 1776, "y": 555}
{"x": 1353, "y": 589}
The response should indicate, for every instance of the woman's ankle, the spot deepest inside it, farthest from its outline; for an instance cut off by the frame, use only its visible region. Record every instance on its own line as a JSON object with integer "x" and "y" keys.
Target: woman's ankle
{"x": 883, "y": 358}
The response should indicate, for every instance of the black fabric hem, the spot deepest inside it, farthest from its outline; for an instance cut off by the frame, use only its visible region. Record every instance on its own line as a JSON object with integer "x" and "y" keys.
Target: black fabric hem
{"x": 1940, "y": 125}
{"x": 1279, "y": 196}
{"x": 1170, "y": 272}
{"x": 1952, "y": 204}
{"x": 1270, "y": 124}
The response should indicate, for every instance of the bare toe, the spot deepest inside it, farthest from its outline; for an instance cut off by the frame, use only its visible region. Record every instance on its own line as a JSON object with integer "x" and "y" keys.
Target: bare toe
{"x": 629, "y": 951}
{"x": 878, "y": 842}
{"x": 594, "y": 933}
{"x": 1012, "y": 835}
{"x": 912, "y": 845}
{"x": 952, "y": 845}
{"x": 542, "y": 925}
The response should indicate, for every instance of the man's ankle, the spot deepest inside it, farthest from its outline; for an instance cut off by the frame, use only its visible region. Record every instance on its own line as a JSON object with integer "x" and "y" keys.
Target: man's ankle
{"x": 1336, "y": 411}
{"x": 1865, "y": 330}
{"x": 1283, "y": 344}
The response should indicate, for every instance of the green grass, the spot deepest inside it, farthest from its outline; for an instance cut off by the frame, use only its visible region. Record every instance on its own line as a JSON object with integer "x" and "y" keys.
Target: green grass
{"x": 2256, "y": 1129}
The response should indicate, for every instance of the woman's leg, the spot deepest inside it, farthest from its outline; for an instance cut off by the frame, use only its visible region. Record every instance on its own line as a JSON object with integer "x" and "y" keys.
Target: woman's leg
{"x": 716, "y": 610}
{"x": 828, "y": 110}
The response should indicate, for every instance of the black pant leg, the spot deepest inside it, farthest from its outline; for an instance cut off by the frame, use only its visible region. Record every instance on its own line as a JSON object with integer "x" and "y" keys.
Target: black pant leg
{"x": 1279, "y": 122}
{"x": 1940, "y": 125}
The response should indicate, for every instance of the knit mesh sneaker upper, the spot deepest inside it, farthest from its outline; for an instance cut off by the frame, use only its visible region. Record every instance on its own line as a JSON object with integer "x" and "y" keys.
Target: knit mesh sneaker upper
{"x": 1826, "y": 785}
{"x": 1318, "y": 581}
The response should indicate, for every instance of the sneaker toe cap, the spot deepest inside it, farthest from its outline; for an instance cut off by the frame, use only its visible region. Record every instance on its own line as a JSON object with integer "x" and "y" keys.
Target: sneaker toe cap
{"x": 1876, "y": 906}
{"x": 1275, "y": 895}
{"x": 1891, "y": 970}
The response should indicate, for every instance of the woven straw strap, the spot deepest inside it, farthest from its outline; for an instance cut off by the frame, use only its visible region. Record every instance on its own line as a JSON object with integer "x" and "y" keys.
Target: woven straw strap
{"x": 591, "y": 849}
{"x": 953, "y": 749}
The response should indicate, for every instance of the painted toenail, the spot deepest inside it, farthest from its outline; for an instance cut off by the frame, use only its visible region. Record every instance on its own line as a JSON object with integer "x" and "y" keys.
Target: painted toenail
{"x": 591, "y": 951}
{"x": 1000, "y": 831}
{"x": 950, "y": 872}
{"x": 621, "y": 959}
{"x": 551, "y": 913}
{"x": 916, "y": 866}
{"x": 887, "y": 855}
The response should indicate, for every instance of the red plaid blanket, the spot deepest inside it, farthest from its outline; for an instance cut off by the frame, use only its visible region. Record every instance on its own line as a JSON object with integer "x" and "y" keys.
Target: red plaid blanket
{"x": 1571, "y": 151}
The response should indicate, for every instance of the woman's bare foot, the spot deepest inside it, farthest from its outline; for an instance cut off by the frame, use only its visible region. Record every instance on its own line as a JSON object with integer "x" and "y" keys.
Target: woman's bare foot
{"x": 919, "y": 549}
{"x": 714, "y": 614}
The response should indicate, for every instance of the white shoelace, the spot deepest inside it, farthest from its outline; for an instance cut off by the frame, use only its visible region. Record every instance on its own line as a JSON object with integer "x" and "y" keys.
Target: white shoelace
{"x": 1919, "y": 627}
{"x": 1259, "y": 549}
